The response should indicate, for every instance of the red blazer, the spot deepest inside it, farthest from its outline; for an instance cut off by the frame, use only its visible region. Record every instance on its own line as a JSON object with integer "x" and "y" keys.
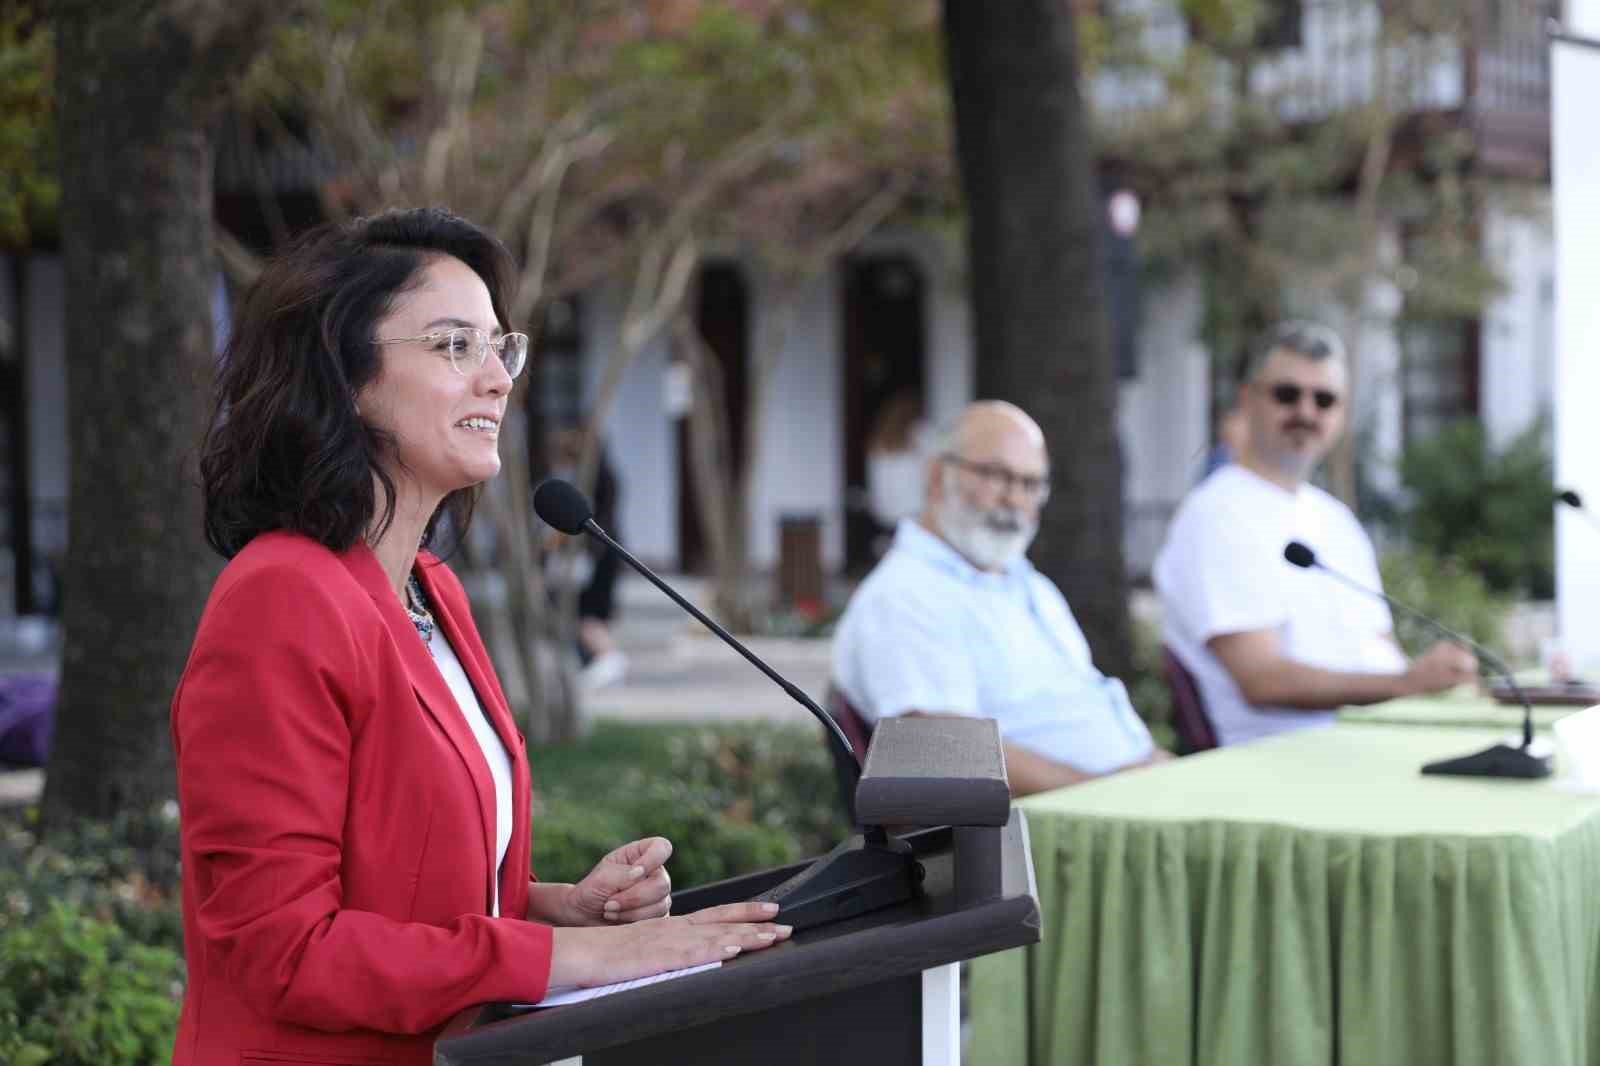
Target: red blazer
{"x": 337, "y": 819}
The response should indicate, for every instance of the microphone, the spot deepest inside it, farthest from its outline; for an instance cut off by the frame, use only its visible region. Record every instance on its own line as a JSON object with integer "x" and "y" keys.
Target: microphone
{"x": 1574, "y": 501}
{"x": 851, "y": 879}
{"x": 1501, "y": 760}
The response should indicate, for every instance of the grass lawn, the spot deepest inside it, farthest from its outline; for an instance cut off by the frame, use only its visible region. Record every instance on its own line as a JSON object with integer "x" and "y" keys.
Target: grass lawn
{"x": 592, "y": 764}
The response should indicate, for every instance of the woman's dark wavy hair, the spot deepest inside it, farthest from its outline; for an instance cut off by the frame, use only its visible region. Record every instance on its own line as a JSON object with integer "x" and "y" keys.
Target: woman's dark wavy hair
{"x": 285, "y": 447}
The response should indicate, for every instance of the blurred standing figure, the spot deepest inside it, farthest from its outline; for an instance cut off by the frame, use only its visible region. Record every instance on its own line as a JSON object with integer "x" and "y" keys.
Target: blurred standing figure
{"x": 595, "y": 566}
{"x": 353, "y": 792}
{"x": 1231, "y": 430}
{"x": 896, "y": 464}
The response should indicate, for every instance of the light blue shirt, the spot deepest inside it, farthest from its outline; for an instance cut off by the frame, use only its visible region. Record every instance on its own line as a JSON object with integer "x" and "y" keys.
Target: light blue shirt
{"x": 928, "y": 631}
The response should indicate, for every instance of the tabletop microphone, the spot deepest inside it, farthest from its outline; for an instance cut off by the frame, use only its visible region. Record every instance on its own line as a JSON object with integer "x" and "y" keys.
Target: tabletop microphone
{"x": 851, "y": 879}
{"x": 1501, "y": 760}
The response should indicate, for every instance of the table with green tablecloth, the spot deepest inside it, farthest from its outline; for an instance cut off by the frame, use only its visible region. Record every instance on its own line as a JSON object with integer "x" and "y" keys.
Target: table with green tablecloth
{"x": 1310, "y": 898}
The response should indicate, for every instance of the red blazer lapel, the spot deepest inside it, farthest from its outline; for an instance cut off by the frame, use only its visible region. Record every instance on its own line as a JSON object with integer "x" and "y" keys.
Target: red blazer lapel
{"x": 432, "y": 692}
{"x": 454, "y": 616}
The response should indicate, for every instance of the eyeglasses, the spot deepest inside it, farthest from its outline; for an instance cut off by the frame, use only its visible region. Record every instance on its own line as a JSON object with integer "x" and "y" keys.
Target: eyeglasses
{"x": 1001, "y": 479}
{"x": 1288, "y": 395}
{"x": 467, "y": 348}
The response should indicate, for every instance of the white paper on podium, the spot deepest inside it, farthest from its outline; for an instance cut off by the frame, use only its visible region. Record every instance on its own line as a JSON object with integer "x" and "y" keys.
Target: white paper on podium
{"x": 1578, "y": 750}
{"x": 562, "y": 995}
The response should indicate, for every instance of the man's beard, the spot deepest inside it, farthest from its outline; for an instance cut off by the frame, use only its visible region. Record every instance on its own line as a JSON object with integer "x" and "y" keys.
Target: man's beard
{"x": 1290, "y": 461}
{"x": 990, "y": 540}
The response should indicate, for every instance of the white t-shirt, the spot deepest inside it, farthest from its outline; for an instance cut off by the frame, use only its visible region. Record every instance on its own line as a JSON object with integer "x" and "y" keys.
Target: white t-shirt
{"x": 494, "y": 751}
{"x": 1222, "y": 571}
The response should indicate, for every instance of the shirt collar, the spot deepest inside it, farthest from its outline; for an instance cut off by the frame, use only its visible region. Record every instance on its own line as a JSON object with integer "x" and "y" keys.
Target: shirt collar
{"x": 911, "y": 537}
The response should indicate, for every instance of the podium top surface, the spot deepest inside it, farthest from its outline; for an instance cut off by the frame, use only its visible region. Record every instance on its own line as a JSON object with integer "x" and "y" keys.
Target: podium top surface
{"x": 928, "y": 931}
{"x": 934, "y": 770}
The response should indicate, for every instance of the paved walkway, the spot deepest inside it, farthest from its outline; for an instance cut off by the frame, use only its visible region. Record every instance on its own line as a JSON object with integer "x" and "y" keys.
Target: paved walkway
{"x": 679, "y": 670}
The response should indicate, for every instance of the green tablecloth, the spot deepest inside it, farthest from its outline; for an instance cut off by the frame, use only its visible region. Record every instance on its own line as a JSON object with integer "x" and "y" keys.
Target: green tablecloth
{"x": 1471, "y": 710}
{"x": 1307, "y": 899}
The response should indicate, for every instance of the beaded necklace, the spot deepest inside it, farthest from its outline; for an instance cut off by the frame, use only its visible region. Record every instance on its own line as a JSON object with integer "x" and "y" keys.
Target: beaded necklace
{"x": 417, "y": 610}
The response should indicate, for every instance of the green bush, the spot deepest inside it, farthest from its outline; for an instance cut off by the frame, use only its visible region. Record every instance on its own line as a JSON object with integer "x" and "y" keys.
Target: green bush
{"x": 77, "y": 990}
{"x": 1446, "y": 590}
{"x": 731, "y": 799}
{"x": 1492, "y": 511}
{"x": 124, "y": 871}
{"x": 781, "y": 778}
{"x": 1147, "y": 685}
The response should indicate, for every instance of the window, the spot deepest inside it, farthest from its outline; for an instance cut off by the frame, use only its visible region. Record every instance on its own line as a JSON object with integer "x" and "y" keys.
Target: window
{"x": 559, "y": 365}
{"x": 1439, "y": 373}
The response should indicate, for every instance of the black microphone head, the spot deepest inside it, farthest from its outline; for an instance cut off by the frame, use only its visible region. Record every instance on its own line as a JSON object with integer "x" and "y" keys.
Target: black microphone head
{"x": 1571, "y": 499}
{"x": 561, "y": 505}
{"x": 1299, "y": 554}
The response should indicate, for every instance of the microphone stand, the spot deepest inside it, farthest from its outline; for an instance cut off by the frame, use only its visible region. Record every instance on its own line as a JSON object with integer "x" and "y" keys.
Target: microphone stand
{"x": 857, "y": 876}
{"x": 1500, "y": 760}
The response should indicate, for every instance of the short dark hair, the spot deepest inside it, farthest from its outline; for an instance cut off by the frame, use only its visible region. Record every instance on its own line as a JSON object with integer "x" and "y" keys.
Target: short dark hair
{"x": 1307, "y": 339}
{"x": 285, "y": 447}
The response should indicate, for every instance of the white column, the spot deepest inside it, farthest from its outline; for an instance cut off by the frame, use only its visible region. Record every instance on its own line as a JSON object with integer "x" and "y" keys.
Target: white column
{"x": 941, "y": 1016}
{"x": 1575, "y": 175}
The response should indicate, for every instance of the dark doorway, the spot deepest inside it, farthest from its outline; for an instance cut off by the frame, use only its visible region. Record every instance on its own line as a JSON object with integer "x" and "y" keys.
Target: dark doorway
{"x": 553, "y": 393}
{"x": 18, "y": 530}
{"x": 722, "y": 314}
{"x": 883, "y": 357}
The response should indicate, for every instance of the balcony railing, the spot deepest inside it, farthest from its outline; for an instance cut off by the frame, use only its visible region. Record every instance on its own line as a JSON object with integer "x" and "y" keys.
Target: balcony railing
{"x": 1488, "y": 58}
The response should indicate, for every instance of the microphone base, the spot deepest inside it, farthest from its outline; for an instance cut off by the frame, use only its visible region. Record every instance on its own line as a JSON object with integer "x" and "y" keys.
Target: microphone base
{"x": 861, "y": 875}
{"x": 1502, "y": 760}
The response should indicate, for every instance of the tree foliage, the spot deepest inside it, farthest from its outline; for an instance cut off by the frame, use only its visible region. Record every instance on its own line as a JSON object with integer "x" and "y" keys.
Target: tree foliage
{"x": 1489, "y": 509}
{"x": 29, "y": 190}
{"x": 1283, "y": 177}
{"x": 610, "y": 142}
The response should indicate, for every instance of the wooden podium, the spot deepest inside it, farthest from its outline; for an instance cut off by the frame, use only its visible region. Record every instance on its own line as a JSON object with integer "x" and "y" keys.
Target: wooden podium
{"x": 879, "y": 988}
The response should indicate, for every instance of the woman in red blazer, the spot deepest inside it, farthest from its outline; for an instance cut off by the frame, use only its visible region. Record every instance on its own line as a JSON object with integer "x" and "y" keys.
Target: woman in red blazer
{"x": 353, "y": 790}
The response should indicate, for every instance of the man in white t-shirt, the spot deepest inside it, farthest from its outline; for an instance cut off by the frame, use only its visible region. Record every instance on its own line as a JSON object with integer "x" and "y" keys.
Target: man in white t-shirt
{"x": 1271, "y": 646}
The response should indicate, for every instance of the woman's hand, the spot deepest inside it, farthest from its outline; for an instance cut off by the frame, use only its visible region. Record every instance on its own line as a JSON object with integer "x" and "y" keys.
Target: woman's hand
{"x": 586, "y": 956}
{"x": 629, "y": 885}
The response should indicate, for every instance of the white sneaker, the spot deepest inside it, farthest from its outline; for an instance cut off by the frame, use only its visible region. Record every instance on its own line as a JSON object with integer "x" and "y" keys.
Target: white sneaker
{"x": 603, "y": 670}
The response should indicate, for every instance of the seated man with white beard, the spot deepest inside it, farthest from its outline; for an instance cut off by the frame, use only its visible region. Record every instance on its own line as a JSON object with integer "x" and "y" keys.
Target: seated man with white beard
{"x": 955, "y": 620}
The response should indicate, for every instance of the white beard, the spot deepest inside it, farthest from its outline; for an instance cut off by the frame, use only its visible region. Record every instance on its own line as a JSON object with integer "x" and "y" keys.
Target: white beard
{"x": 990, "y": 540}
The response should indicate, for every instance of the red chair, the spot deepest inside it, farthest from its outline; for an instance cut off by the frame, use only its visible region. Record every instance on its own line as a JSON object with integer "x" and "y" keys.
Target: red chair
{"x": 847, "y": 765}
{"x": 1189, "y": 718}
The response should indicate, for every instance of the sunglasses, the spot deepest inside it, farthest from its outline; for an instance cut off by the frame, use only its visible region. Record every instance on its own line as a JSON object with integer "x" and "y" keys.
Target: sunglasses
{"x": 1289, "y": 396}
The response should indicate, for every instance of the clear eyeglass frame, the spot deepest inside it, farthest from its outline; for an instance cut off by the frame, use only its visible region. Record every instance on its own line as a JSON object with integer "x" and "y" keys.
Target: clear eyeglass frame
{"x": 467, "y": 348}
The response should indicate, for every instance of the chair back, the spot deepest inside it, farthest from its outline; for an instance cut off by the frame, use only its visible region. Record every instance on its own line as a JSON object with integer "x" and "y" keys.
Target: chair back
{"x": 847, "y": 765}
{"x": 1189, "y": 718}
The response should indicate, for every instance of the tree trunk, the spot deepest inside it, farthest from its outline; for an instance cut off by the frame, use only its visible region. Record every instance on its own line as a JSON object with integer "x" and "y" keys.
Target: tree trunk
{"x": 538, "y": 672}
{"x": 1043, "y": 340}
{"x": 138, "y": 83}
{"x": 720, "y": 490}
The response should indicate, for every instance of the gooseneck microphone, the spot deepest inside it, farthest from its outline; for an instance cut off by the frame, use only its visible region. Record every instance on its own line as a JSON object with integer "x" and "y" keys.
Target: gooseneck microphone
{"x": 1574, "y": 501}
{"x": 851, "y": 879}
{"x": 1502, "y": 760}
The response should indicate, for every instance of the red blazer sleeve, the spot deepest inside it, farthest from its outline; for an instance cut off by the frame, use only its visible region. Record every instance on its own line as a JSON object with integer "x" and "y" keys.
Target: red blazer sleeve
{"x": 273, "y": 702}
